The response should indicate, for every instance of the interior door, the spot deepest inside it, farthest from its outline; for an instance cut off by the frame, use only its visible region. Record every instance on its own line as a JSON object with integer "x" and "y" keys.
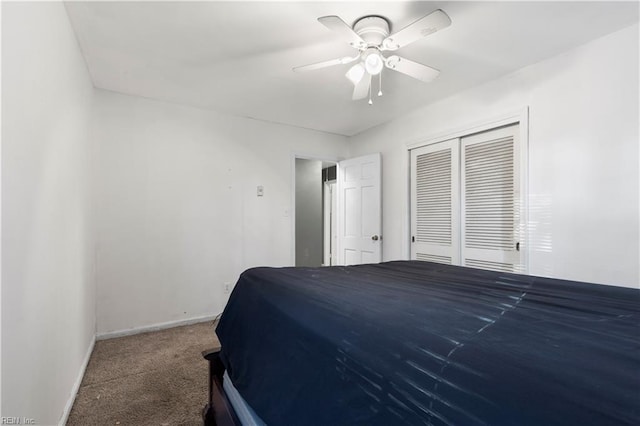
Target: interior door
{"x": 435, "y": 203}
{"x": 491, "y": 200}
{"x": 360, "y": 210}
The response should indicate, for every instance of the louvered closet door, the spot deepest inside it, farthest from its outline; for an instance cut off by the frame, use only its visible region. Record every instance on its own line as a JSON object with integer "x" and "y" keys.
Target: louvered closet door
{"x": 490, "y": 200}
{"x": 435, "y": 202}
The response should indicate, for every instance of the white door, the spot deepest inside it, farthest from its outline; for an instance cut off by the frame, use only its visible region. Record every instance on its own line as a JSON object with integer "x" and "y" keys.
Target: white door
{"x": 359, "y": 210}
{"x": 465, "y": 201}
{"x": 491, "y": 200}
{"x": 435, "y": 203}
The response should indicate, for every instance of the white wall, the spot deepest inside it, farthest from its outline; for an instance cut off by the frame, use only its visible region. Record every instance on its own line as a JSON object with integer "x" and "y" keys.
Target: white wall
{"x": 48, "y": 298}
{"x": 583, "y": 158}
{"x": 177, "y": 211}
{"x": 309, "y": 215}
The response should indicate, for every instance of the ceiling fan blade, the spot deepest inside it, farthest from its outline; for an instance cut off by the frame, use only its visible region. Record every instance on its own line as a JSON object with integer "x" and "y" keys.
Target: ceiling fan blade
{"x": 324, "y": 64}
{"x": 340, "y": 27}
{"x": 361, "y": 90}
{"x": 424, "y": 26}
{"x": 412, "y": 69}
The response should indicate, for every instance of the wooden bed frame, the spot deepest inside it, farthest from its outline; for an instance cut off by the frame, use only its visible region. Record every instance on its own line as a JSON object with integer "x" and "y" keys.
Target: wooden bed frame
{"x": 218, "y": 411}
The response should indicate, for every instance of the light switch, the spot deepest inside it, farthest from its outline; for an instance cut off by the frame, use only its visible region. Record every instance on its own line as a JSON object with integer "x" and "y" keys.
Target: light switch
{"x": 260, "y": 191}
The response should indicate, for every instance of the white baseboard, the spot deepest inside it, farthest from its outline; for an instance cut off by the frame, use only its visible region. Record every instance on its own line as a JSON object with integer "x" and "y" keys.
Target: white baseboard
{"x": 76, "y": 385}
{"x": 154, "y": 327}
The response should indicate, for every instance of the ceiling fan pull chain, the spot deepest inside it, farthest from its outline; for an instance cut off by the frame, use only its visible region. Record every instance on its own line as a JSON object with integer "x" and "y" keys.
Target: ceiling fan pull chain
{"x": 380, "y": 86}
{"x": 370, "y": 89}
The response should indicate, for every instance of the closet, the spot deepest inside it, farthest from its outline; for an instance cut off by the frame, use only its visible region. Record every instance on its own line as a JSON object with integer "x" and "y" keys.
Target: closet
{"x": 466, "y": 201}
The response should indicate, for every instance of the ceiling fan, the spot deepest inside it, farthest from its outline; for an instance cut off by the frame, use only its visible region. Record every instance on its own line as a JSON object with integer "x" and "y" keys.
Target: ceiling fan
{"x": 370, "y": 35}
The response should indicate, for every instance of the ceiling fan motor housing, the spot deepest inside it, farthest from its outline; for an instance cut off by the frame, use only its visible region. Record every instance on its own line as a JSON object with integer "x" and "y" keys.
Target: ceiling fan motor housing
{"x": 372, "y": 29}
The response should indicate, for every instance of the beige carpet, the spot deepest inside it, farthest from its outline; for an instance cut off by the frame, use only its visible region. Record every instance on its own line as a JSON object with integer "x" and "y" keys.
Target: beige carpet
{"x": 157, "y": 378}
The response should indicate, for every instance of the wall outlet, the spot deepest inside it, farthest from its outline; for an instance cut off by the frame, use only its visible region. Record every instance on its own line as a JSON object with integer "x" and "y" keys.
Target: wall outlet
{"x": 226, "y": 287}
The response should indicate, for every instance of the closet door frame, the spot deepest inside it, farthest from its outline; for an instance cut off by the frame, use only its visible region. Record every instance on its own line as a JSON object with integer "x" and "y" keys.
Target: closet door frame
{"x": 520, "y": 117}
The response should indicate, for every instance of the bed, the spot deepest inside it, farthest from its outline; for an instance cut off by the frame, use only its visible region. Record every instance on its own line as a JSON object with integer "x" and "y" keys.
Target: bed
{"x": 412, "y": 342}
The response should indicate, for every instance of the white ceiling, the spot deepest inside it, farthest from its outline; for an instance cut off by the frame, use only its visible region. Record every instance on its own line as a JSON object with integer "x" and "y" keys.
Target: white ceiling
{"x": 236, "y": 57}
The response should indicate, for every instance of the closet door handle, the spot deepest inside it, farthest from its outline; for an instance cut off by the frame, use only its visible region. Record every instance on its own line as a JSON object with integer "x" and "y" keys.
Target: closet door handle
{"x": 375, "y": 238}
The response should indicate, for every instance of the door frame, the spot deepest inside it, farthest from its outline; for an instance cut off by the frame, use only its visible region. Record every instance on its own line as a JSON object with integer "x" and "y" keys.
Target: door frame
{"x": 330, "y": 219}
{"x": 519, "y": 116}
{"x": 291, "y": 211}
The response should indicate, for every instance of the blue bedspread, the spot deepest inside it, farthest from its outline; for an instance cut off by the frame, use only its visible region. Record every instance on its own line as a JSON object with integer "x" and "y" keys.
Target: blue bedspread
{"x": 423, "y": 343}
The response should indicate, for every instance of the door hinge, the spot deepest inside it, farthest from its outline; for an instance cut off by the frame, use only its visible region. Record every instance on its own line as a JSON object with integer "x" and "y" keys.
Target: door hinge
{"x": 413, "y": 239}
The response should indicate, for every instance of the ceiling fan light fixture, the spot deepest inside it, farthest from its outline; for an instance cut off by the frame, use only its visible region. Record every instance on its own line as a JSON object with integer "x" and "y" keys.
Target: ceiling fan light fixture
{"x": 373, "y": 61}
{"x": 370, "y": 35}
{"x": 355, "y": 73}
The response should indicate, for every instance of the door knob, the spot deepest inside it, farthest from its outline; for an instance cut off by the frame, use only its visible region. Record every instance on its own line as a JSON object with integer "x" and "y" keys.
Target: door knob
{"x": 375, "y": 238}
